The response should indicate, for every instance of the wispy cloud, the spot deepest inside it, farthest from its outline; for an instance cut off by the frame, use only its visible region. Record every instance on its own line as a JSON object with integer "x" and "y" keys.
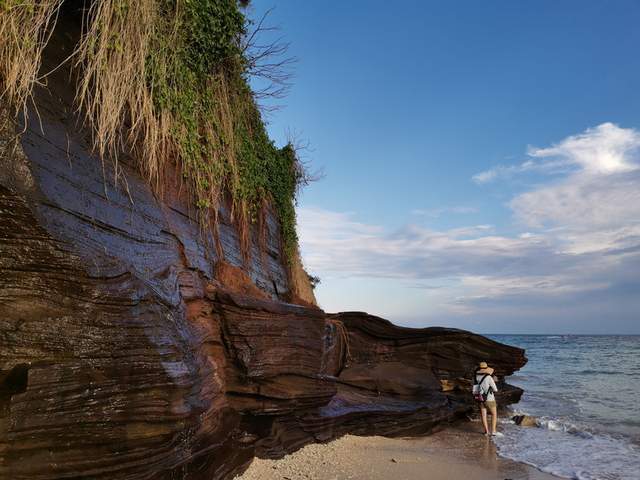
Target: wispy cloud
{"x": 582, "y": 202}
{"x": 547, "y": 167}
{"x": 580, "y": 233}
{"x": 605, "y": 149}
{"x": 601, "y": 192}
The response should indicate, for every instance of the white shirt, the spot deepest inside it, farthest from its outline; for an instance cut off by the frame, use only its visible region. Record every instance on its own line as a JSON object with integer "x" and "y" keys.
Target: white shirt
{"x": 486, "y": 383}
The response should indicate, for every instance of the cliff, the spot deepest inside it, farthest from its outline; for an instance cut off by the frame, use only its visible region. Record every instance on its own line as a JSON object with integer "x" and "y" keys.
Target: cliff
{"x": 135, "y": 343}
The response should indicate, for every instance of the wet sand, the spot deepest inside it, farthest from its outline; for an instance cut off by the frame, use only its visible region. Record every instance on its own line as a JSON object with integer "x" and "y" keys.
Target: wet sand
{"x": 455, "y": 453}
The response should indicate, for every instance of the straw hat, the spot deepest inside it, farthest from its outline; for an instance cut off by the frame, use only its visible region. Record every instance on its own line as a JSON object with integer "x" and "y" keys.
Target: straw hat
{"x": 484, "y": 368}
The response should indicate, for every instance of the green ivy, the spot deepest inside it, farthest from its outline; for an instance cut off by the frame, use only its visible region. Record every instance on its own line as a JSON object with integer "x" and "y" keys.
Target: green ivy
{"x": 197, "y": 44}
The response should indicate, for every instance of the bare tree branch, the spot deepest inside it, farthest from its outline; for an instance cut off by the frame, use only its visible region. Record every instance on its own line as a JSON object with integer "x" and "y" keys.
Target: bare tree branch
{"x": 301, "y": 147}
{"x": 267, "y": 61}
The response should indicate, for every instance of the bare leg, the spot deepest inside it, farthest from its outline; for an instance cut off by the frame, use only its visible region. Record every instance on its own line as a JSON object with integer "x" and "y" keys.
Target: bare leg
{"x": 483, "y": 414}
{"x": 494, "y": 418}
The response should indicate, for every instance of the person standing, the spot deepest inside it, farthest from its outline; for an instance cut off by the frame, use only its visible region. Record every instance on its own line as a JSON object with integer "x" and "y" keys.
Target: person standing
{"x": 486, "y": 387}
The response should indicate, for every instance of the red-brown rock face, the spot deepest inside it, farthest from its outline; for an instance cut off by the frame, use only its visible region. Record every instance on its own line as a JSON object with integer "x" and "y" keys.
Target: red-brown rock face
{"x": 133, "y": 347}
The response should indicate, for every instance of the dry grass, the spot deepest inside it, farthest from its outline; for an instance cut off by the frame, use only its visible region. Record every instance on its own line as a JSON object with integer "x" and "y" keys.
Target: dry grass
{"x": 148, "y": 85}
{"x": 113, "y": 89}
{"x": 25, "y": 29}
{"x": 115, "y": 96}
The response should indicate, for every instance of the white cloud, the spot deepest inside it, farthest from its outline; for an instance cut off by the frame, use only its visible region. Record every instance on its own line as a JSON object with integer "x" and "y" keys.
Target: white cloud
{"x": 501, "y": 171}
{"x": 496, "y": 287}
{"x": 581, "y": 234}
{"x": 605, "y": 149}
{"x": 335, "y": 244}
{"x": 488, "y": 175}
{"x": 599, "y": 198}
{"x": 331, "y": 247}
{"x": 582, "y": 201}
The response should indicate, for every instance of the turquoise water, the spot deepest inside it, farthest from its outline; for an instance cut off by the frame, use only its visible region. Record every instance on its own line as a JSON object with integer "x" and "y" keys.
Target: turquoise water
{"x": 585, "y": 391}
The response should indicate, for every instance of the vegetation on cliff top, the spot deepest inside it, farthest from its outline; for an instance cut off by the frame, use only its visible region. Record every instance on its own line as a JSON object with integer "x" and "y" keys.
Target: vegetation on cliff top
{"x": 168, "y": 81}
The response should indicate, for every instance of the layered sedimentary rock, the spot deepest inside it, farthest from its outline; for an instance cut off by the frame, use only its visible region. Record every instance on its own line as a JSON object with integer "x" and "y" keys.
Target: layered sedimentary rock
{"x": 135, "y": 345}
{"x": 129, "y": 350}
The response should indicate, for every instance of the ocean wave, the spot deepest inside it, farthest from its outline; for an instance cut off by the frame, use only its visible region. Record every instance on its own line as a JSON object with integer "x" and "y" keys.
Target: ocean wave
{"x": 588, "y": 412}
{"x": 565, "y": 427}
{"x": 572, "y": 451}
{"x": 554, "y": 425}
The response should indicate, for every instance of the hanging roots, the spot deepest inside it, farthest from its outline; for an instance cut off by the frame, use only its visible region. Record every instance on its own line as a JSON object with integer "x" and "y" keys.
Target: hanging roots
{"x": 25, "y": 29}
{"x": 165, "y": 80}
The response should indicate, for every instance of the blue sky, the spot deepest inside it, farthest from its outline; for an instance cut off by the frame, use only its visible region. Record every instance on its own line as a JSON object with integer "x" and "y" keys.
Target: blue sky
{"x": 481, "y": 160}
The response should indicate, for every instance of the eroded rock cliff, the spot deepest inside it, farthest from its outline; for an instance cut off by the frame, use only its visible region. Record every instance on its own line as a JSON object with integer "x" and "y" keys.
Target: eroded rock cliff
{"x": 135, "y": 345}
{"x": 129, "y": 350}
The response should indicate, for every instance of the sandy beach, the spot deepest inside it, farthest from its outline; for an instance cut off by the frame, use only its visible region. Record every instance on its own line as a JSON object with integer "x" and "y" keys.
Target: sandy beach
{"x": 454, "y": 453}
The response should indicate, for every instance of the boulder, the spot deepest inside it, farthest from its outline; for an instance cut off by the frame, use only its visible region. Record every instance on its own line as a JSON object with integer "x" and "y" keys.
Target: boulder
{"x": 525, "y": 420}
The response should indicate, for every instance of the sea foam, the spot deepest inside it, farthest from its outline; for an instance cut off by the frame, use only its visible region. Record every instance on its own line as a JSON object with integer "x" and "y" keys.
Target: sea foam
{"x": 583, "y": 390}
{"x": 568, "y": 451}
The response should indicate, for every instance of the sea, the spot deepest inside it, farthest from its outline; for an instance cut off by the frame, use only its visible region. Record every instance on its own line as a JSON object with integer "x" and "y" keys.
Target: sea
{"x": 585, "y": 393}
